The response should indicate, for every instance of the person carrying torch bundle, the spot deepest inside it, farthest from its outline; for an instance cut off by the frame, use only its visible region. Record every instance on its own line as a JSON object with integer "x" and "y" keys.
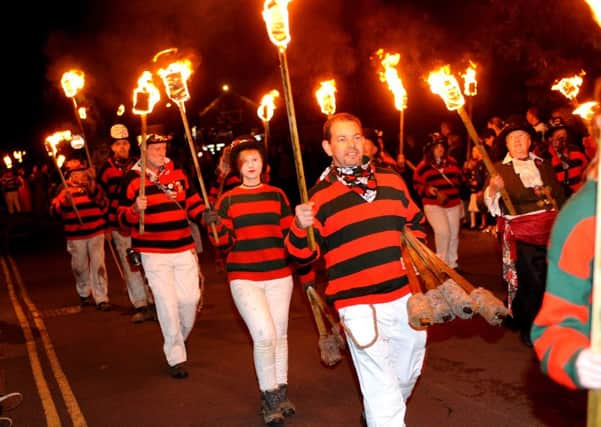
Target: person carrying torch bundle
{"x": 85, "y": 238}
{"x": 358, "y": 212}
{"x": 111, "y": 177}
{"x": 253, "y": 220}
{"x": 166, "y": 248}
{"x": 536, "y": 196}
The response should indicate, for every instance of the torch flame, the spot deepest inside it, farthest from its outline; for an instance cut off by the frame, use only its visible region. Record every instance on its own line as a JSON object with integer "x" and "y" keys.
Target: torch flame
{"x": 82, "y": 113}
{"x": 120, "y": 110}
{"x": 390, "y": 76}
{"x": 18, "y": 155}
{"x": 56, "y": 138}
{"x": 146, "y": 95}
{"x": 470, "y": 84}
{"x": 72, "y": 82}
{"x": 174, "y": 79}
{"x": 267, "y": 107}
{"x": 595, "y": 6}
{"x": 8, "y": 162}
{"x": 275, "y": 15}
{"x": 586, "y": 110}
{"x": 569, "y": 86}
{"x": 60, "y": 160}
{"x": 326, "y": 97}
{"x": 444, "y": 84}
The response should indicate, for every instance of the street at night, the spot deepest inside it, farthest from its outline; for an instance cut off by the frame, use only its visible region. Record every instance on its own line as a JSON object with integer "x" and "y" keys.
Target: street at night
{"x": 112, "y": 372}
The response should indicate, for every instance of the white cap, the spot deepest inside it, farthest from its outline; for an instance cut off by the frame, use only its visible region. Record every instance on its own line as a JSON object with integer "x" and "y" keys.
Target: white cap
{"x": 119, "y": 131}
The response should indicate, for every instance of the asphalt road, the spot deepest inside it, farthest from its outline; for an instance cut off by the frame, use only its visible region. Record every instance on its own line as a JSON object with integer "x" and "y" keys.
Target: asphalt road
{"x": 84, "y": 367}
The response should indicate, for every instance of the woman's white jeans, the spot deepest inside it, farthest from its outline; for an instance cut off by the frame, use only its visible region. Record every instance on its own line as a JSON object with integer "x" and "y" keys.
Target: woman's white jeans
{"x": 388, "y": 369}
{"x": 174, "y": 280}
{"x": 264, "y": 307}
{"x": 446, "y": 223}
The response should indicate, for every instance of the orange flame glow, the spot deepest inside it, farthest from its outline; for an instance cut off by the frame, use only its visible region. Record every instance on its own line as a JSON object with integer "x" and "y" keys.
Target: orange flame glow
{"x": 586, "y": 110}
{"x": 60, "y": 160}
{"x": 267, "y": 107}
{"x": 82, "y": 113}
{"x": 8, "y": 162}
{"x": 146, "y": 95}
{"x": 275, "y": 15}
{"x": 18, "y": 155}
{"x": 326, "y": 97}
{"x": 120, "y": 110}
{"x": 56, "y": 138}
{"x": 470, "y": 84}
{"x": 595, "y": 6}
{"x": 175, "y": 80}
{"x": 569, "y": 86}
{"x": 390, "y": 76}
{"x": 72, "y": 82}
{"x": 444, "y": 84}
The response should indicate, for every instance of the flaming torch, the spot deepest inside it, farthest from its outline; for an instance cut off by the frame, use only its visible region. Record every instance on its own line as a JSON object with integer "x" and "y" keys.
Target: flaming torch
{"x": 470, "y": 89}
{"x": 326, "y": 97}
{"x": 390, "y": 76}
{"x": 51, "y": 145}
{"x": 146, "y": 95}
{"x": 8, "y": 162}
{"x": 72, "y": 82}
{"x": 265, "y": 111}
{"x": 175, "y": 78}
{"x": 569, "y": 86}
{"x": 444, "y": 84}
{"x": 275, "y": 14}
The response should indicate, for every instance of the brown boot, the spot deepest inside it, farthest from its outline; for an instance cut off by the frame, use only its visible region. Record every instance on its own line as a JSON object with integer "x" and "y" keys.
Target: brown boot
{"x": 270, "y": 408}
{"x": 286, "y": 406}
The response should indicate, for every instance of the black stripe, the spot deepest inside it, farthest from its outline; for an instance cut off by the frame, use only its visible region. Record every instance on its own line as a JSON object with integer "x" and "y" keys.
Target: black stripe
{"x": 162, "y": 208}
{"x": 161, "y": 244}
{"x": 263, "y": 218}
{"x": 84, "y": 219}
{"x": 362, "y": 262}
{"x": 258, "y": 267}
{"x": 258, "y": 244}
{"x": 166, "y": 226}
{"x": 364, "y": 228}
{"x": 255, "y": 197}
{"x": 379, "y": 288}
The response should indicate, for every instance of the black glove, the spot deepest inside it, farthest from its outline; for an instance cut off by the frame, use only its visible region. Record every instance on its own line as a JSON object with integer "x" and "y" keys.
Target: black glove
{"x": 210, "y": 216}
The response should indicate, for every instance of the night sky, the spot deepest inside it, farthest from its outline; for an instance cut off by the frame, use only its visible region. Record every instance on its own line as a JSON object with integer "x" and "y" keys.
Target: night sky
{"x": 520, "y": 49}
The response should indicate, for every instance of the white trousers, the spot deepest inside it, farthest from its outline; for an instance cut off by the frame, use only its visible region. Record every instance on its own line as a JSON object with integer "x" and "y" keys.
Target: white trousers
{"x": 138, "y": 292}
{"x": 264, "y": 307}
{"x": 89, "y": 270}
{"x": 446, "y": 223}
{"x": 388, "y": 369}
{"x": 173, "y": 278}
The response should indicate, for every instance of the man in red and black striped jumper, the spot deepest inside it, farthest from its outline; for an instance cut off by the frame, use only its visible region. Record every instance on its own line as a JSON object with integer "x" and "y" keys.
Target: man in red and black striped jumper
{"x": 111, "y": 177}
{"x": 358, "y": 213}
{"x": 568, "y": 161}
{"x": 85, "y": 239}
{"x": 167, "y": 249}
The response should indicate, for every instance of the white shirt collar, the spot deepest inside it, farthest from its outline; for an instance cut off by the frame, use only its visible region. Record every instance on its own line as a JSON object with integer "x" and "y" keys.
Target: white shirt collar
{"x": 531, "y": 156}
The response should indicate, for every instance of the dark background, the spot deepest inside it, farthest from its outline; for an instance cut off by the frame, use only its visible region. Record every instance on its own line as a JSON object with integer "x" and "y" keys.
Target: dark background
{"x": 520, "y": 47}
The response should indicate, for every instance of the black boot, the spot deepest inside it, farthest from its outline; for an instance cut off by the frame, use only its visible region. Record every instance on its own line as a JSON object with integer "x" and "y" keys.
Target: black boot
{"x": 272, "y": 415}
{"x": 286, "y": 406}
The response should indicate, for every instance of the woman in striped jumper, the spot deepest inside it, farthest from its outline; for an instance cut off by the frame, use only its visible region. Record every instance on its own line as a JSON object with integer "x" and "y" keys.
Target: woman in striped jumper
{"x": 437, "y": 179}
{"x": 253, "y": 221}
